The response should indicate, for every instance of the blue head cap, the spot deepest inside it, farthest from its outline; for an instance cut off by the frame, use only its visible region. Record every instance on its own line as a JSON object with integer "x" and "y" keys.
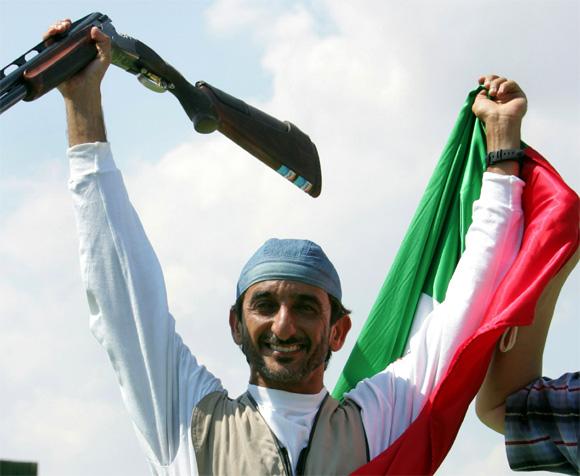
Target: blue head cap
{"x": 293, "y": 260}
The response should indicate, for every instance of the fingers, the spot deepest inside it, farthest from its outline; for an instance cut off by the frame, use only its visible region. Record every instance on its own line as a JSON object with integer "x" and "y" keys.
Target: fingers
{"x": 498, "y": 86}
{"x": 486, "y": 80}
{"x": 102, "y": 41}
{"x": 481, "y": 95}
{"x": 509, "y": 87}
{"x": 495, "y": 83}
{"x": 58, "y": 28}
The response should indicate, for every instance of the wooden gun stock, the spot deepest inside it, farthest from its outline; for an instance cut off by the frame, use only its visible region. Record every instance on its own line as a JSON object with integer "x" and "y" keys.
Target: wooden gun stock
{"x": 280, "y": 145}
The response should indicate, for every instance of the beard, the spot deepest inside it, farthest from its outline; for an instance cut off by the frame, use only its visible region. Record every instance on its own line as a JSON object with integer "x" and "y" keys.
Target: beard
{"x": 295, "y": 372}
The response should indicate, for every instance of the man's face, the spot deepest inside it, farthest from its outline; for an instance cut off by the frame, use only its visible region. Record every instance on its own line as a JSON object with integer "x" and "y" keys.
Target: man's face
{"x": 285, "y": 334}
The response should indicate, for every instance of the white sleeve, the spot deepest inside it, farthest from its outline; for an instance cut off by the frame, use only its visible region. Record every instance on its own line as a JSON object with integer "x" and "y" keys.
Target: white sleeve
{"x": 159, "y": 378}
{"x": 391, "y": 400}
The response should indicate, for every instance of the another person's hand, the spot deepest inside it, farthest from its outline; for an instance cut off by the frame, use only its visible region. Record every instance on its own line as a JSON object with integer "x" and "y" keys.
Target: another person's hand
{"x": 88, "y": 80}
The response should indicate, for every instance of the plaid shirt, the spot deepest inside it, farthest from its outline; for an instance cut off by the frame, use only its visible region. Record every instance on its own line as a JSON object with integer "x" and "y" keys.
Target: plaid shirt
{"x": 542, "y": 425}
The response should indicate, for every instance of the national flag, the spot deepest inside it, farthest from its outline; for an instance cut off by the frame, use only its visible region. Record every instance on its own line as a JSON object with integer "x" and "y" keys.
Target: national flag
{"x": 422, "y": 269}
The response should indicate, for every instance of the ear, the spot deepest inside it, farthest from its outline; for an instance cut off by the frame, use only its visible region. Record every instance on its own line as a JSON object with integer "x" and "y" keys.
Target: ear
{"x": 338, "y": 332}
{"x": 235, "y": 327}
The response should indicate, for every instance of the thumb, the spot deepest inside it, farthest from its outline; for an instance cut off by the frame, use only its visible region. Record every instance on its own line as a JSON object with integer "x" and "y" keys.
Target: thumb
{"x": 481, "y": 103}
{"x": 103, "y": 44}
{"x": 481, "y": 96}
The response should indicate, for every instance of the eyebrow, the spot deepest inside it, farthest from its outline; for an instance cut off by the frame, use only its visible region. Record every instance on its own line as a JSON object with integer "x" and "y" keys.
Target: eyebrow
{"x": 311, "y": 298}
{"x": 259, "y": 295}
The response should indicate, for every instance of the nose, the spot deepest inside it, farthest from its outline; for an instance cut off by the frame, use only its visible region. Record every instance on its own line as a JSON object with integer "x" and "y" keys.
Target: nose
{"x": 284, "y": 326}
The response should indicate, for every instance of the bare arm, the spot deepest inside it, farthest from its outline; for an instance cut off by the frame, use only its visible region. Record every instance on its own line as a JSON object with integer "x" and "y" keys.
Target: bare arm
{"x": 85, "y": 122}
{"x": 512, "y": 370}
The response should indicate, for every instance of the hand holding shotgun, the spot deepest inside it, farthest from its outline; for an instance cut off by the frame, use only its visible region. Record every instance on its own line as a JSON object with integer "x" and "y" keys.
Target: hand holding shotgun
{"x": 82, "y": 92}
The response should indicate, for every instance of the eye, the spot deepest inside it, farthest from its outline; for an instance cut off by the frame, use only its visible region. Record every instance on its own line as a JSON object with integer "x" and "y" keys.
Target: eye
{"x": 306, "y": 308}
{"x": 265, "y": 307}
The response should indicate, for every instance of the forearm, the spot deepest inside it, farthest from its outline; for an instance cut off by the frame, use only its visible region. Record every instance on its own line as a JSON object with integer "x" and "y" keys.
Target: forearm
{"x": 492, "y": 243}
{"x": 510, "y": 371}
{"x": 503, "y": 133}
{"x": 85, "y": 121}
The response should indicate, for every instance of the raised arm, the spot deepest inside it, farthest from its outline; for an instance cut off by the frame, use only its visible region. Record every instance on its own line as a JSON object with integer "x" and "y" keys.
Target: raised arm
{"x": 160, "y": 380}
{"x": 391, "y": 400}
{"x": 512, "y": 370}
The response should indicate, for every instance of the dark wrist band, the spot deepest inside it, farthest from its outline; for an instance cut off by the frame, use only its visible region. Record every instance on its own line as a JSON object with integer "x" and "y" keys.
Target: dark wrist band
{"x": 497, "y": 156}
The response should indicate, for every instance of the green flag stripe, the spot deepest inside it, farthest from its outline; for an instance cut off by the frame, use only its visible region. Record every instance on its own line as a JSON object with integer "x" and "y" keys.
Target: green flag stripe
{"x": 458, "y": 219}
{"x": 428, "y": 254}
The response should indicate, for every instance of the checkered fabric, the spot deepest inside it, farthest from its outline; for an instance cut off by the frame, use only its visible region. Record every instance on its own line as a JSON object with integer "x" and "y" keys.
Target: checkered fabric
{"x": 542, "y": 425}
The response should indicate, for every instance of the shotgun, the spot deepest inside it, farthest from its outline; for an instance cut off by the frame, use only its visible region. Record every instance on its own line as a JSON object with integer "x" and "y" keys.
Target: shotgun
{"x": 280, "y": 145}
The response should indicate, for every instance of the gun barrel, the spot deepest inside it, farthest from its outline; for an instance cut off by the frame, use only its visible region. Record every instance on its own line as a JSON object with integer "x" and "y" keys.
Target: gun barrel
{"x": 52, "y": 63}
{"x": 12, "y": 97}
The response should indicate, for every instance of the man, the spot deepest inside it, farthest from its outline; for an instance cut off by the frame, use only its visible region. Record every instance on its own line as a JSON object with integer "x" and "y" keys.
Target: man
{"x": 539, "y": 417}
{"x": 287, "y": 319}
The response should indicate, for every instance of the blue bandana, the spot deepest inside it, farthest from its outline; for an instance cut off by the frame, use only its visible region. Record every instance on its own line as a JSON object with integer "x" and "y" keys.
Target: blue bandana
{"x": 292, "y": 260}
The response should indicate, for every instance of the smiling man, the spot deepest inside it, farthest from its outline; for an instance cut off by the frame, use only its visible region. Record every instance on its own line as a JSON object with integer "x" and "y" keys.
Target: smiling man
{"x": 288, "y": 317}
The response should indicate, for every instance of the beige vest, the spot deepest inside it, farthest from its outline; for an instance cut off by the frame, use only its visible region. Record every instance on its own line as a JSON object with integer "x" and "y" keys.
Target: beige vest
{"x": 230, "y": 437}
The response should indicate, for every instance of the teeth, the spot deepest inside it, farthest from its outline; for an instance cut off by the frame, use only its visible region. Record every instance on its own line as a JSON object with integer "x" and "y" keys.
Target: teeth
{"x": 285, "y": 348}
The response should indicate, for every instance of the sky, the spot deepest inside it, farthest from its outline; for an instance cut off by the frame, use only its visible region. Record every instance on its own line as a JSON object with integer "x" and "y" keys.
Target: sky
{"x": 377, "y": 86}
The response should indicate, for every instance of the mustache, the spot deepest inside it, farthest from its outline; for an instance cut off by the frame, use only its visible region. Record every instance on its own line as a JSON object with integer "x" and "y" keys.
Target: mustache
{"x": 271, "y": 338}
